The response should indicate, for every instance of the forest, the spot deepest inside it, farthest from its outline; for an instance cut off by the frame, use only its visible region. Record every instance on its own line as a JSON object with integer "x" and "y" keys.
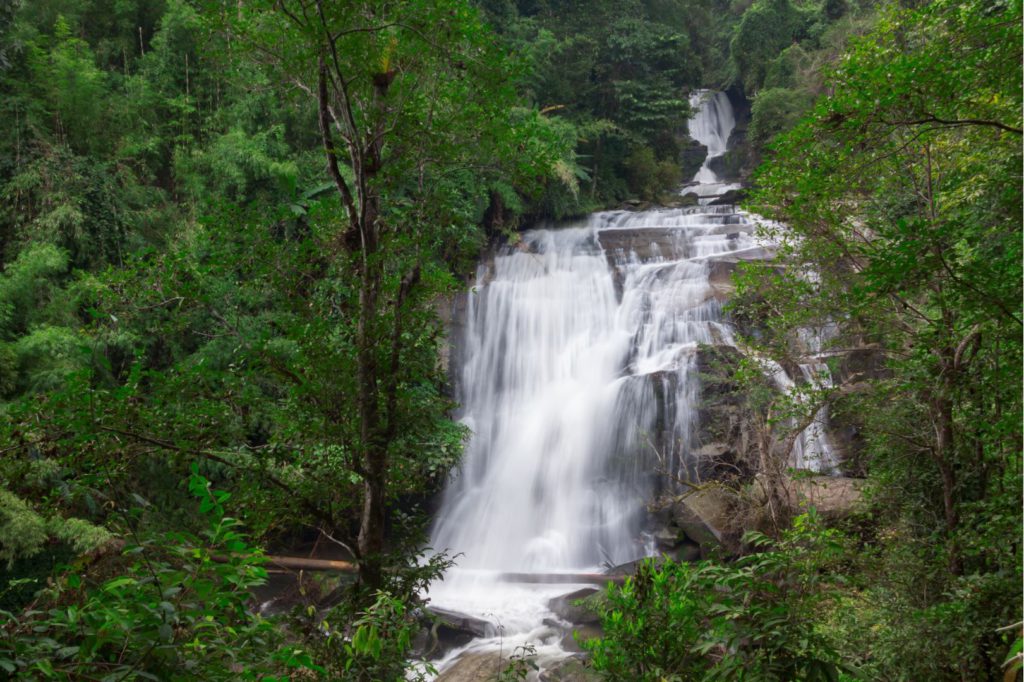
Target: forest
{"x": 228, "y": 230}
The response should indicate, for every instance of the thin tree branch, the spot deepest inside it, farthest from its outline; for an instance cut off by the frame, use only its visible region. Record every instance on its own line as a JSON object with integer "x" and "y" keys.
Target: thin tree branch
{"x": 931, "y": 118}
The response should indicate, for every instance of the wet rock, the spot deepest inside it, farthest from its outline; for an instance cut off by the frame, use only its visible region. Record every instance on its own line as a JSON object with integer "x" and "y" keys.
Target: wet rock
{"x": 650, "y": 243}
{"x": 475, "y": 666}
{"x": 720, "y": 279}
{"x": 572, "y": 641}
{"x": 691, "y": 158}
{"x": 729, "y": 167}
{"x": 729, "y": 198}
{"x": 284, "y": 592}
{"x": 580, "y": 607}
{"x": 733, "y": 227}
{"x": 726, "y": 428}
{"x": 451, "y": 311}
{"x": 667, "y": 537}
{"x": 628, "y": 568}
{"x": 445, "y": 630}
{"x": 672, "y": 542}
{"x": 681, "y": 201}
{"x": 713, "y": 450}
{"x": 646, "y": 243}
{"x": 754, "y": 253}
{"x": 461, "y": 622}
{"x": 636, "y": 205}
{"x": 574, "y": 669}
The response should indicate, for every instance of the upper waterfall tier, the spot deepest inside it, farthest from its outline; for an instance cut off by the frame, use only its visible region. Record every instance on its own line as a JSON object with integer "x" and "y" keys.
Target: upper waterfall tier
{"x": 711, "y": 125}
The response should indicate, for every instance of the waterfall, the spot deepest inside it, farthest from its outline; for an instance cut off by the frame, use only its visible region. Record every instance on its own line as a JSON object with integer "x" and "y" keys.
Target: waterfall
{"x": 578, "y": 380}
{"x": 542, "y": 357}
{"x": 711, "y": 125}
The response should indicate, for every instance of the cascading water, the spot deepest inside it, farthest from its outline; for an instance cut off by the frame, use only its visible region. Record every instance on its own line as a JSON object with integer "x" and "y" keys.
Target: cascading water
{"x": 578, "y": 382}
{"x": 711, "y": 125}
{"x": 814, "y": 449}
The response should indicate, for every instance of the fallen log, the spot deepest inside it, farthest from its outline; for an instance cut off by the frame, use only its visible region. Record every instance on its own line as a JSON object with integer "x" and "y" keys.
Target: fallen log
{"x": 304, "y": 564}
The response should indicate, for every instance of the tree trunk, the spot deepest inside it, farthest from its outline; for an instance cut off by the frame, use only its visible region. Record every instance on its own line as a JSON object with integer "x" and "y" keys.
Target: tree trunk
{"x": 371, "y": 432}
{"x": 945, "y": 454}
{"x": 771, "y": 473}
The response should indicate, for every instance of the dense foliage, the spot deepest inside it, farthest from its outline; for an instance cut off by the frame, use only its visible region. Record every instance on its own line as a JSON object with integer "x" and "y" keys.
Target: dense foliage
{"x": 225, "y": 228}
{"x": 618, "y": 73}
{"x": 901, "y": 195}
{"x": 750, "y": 620}
{"x": 197, "y": 276}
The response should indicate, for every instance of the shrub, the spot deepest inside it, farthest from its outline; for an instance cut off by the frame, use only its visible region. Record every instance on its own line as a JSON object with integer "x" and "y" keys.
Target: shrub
{"x": 178, "y": 610}
{"x": 750, "y": 620}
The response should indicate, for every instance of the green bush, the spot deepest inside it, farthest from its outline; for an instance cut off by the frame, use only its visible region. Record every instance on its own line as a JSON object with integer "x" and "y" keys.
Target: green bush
{"x": 648, "y": 177}
{"x": 774, "y": 111}
{"x": 765, "y": 30}
{"x": 179, "y": 610}
{"x": 751, "y": 620}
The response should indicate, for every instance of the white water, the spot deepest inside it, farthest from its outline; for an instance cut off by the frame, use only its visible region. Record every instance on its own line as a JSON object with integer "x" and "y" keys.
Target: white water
{"x": 814, "y": 449}
{"x": 711, "y": 126}
{"x": 578, "y": 356}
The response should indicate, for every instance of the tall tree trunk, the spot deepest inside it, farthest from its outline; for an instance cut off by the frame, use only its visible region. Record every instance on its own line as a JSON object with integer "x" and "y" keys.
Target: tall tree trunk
{"x": 371, "y": 432}
{"x": 942, "y": 418}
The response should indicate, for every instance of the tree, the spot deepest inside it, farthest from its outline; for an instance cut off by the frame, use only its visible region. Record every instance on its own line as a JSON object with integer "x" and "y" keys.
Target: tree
{"x": 763, "y": 32}
{"x": 902, "y": 201}
{"x": 408, "y": 95}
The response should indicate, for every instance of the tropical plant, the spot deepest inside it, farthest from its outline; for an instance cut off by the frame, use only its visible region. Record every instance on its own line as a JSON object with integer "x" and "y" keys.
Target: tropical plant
{"x": 753, "y": 619}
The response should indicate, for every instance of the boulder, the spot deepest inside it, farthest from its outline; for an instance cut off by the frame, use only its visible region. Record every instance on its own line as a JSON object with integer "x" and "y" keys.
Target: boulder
{"x": 636, "y": 205}
{"x": 720, "y": 278}
{"x": 579, "y": 607}
{"x": 481, "y": 666}
{"x": 730, "y": 167}
{"x": 729, "y": 198}
{"x": 691, "y": 158}
{"x": 446, "y": 630}
{"x": 672, "y": 542}
{"x": 682, "y": 201}
{"x": 461, "y": 622}
{"x": 573, "y": 639}
{"x": 474, "y": 666}
{"x": 667, "y": 537}
{"x": 689, "y": 552}
{"x": 834, "y": 497}
{"x": 629, "y": 568}
{"x": 573, "y": 669}
{"x": 704, "y": 514}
